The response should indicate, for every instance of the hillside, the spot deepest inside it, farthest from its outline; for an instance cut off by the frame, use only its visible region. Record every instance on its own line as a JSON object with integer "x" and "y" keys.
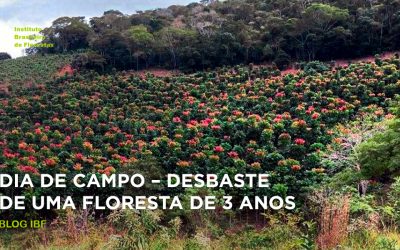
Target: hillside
{"x": 232, "y": 120}
{"x": 302, "y": 96}
{"x": 34, "y": 69}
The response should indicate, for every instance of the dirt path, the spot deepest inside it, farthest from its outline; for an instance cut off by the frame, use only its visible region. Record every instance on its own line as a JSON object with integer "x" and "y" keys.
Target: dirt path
{"x": 156, "y": 72}
{"x": 3, "y": 88}
{"x": 67, "y": 69}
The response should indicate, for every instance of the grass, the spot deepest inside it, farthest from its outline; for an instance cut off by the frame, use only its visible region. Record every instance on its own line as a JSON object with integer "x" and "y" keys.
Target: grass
{"x": 372, "y": 240}
{"x": 366, "y": 240}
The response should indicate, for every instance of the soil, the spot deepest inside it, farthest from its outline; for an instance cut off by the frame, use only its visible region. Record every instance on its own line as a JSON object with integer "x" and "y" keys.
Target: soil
{"x": 156, "y": 72}
{"x": 67, "y": 69}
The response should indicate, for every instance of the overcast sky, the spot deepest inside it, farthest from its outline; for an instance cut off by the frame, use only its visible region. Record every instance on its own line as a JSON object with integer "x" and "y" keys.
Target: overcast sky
{"x": 40, "y": 13}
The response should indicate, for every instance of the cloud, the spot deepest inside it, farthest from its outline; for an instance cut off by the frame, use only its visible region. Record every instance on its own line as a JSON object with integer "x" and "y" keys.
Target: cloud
{"x": 7, "y": 42}
{"x": 4, "y": 3}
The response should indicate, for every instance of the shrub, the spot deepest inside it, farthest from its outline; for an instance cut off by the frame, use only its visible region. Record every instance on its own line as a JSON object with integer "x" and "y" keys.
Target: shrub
{"x": 333, "y": 222}
{"x": 379, "y": 157}
{"x": 89, "y": 60}
{"x": 137, "y": 229}
{"x": 394, "y": 198}
{"x": 313, "y": 67}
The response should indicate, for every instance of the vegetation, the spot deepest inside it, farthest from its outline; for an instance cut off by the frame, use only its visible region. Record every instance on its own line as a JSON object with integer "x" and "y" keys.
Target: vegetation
{"x": 35, "y": 69}
{"x": 216, "y": 33}
{"x": 327, "y": 134}
{"x": 206, "y": 122}
{"x": 379, "y": 155}
{"x": 232, "y": 120}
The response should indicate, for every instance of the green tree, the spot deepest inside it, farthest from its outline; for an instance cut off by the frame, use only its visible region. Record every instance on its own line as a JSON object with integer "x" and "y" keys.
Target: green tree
{"x": 315, "y": 23}
{"x": 141, "y": 42}
{"x": 173, "y": 39}
{"x": 67, "y": 33}
{"x": 112, "y": 45}
{"x": 111, "y": 20}
{"x": 379, "y": 157}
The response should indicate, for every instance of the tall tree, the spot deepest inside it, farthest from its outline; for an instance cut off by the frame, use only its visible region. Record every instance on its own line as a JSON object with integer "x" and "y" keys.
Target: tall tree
{"x": 316, "y": 21}
{"x": 141, "y": 42}
{"x": 67, "y": 33}
{"x": 174, "y": 38}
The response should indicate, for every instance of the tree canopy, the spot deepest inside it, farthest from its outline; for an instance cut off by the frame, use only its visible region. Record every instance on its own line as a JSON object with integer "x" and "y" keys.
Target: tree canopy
{"x": 215, "y": 33}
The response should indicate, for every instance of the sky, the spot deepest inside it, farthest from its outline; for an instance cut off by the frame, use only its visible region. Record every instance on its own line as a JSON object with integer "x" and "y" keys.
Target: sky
{"x": 40, "y": 13}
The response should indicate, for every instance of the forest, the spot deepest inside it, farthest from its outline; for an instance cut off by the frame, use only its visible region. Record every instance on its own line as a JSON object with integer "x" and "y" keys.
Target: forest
{"x": 215, "y": 33}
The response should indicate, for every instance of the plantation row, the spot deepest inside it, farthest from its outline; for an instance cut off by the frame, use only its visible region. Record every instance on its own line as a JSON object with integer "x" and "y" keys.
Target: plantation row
{"x": 233, "y": 120}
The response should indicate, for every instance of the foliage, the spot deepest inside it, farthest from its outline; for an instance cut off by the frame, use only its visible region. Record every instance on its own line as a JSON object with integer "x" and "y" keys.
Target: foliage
{"x": 300, "y": 128}
{"x": 342, "y": 156}
{"x": 379, "y": 157}
{"x": 219, "y": 122}
{"x": 315, "y": 67}
{"x": 371, "y": 240}
{"x": 35, "y": 69}
{"x": 216, "y": 33}
{"x": 139, "y": 228}
{"x": 89, "y": 60}
{"x": 394, "y": 197}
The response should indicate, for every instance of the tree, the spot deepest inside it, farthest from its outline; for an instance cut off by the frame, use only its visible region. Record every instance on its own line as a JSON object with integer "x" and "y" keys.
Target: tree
{"x": 141, "y": 42}
{"x": 206, "y": 22}
{"x": 174, "y": 38}
{"x": 367, "y": 31}
{"x": 214, "y": 33}
{"x": 89, "y": 60}
{"x": 67, "y": 33}
{"x": 324, "y": 16}
{"x": 205, "y": 2}
{"x": 248, "y": 37}
{"x": 4, "y": 56}
{"x": 111, "y": 20}
{"x": 113, "y": 46}
{"x": 315, "y": 23}
{"x": 379, "y": 157}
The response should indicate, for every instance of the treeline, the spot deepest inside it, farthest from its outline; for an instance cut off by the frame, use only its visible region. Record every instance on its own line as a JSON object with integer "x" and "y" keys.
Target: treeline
{"x": 214, "y": 33}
